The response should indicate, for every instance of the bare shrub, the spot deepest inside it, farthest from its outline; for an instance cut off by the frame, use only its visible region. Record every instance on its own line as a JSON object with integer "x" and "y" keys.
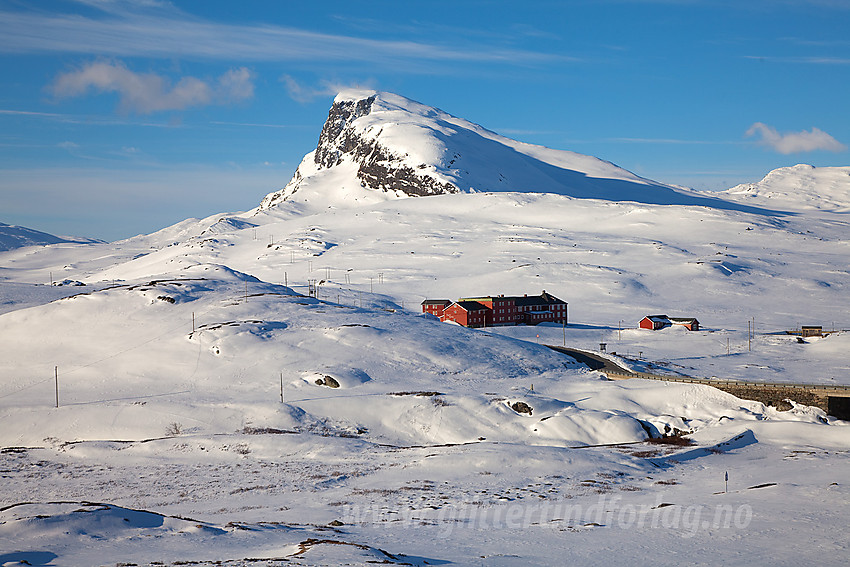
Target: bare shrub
{"x": 173, "y": 429}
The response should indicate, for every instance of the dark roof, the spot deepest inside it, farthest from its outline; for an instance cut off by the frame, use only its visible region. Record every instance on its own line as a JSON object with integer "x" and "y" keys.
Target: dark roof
{"x": 471, "y": 306}
{"x": 542, "y": 299}
{"x": 436, "y": 302}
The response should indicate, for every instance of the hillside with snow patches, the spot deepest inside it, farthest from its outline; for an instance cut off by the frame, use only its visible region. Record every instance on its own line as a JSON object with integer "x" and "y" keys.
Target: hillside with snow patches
{"x": 210, "y": 410}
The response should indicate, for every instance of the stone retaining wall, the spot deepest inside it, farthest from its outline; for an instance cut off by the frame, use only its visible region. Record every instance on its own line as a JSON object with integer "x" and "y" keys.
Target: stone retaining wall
{"x": 829, "y": 399}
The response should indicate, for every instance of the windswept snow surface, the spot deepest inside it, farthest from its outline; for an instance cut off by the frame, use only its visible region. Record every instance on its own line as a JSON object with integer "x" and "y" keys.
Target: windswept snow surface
{"x": 801, "y": 187}
{"x": 210, "y": 412}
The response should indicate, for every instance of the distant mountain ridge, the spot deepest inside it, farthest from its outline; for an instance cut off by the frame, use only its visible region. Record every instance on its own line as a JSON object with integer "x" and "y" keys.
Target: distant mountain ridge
{"x": 12, "y": 236}
{"x": 799, "y": 187}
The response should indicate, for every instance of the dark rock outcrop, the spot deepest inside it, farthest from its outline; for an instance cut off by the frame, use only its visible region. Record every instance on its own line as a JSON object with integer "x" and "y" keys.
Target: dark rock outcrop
{"x": 379, "y": 168}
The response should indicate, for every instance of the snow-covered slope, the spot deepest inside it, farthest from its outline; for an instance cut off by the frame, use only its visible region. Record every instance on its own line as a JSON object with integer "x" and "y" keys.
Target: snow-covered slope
{"x": 800, "y": 187}
{"x": 12, "y": 236}
{"x": 377, "y": 146}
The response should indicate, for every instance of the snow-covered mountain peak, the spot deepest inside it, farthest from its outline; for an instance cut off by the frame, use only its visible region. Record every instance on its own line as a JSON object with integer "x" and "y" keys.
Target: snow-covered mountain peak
{"x": 799, "y": 187}
{"x": 376, "y": 146}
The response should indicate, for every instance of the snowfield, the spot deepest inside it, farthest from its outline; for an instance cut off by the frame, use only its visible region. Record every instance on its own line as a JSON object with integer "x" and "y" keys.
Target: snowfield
{"x": 261, "y": 388}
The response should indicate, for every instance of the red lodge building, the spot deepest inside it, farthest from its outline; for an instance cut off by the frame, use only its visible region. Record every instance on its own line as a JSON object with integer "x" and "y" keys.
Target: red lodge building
{"x": 499, "y": 310}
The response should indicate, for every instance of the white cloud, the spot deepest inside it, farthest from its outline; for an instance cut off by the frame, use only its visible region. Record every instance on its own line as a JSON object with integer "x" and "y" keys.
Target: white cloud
{"x": 236, "y": 84}
{"x": 146, "y": 93}
{"x": 795, "y": 142}
{"x": 302, "y": 93}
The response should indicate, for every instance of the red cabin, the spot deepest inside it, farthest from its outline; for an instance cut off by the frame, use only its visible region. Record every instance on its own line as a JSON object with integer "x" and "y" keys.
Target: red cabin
{"x": 655, "y": 322}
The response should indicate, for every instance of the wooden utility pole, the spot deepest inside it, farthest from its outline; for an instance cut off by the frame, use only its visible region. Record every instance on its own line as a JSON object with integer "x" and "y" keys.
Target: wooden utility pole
{"x": 56, "y": 378}
{"x": 281, "y": 387}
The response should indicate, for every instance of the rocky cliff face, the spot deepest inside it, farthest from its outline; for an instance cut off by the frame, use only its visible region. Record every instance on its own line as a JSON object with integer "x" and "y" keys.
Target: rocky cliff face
{"x": 378, "y": 167}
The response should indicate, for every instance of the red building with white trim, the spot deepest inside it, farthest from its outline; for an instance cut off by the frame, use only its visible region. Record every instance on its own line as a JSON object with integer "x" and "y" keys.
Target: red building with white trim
{"x": 466, "y": 313}
{"x": 655, "y": 322}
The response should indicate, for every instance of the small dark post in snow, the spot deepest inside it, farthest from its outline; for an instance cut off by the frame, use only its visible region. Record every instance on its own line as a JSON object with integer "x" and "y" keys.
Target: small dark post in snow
{"x": 193, "y": 322}
{"x": 727, "y": 481}
{"x": 281, "y": 387}
{"x": 56, "y": 378}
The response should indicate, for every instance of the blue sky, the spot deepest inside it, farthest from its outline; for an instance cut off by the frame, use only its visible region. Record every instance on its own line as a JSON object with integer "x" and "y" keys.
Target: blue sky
{"x": 119, "y": 117}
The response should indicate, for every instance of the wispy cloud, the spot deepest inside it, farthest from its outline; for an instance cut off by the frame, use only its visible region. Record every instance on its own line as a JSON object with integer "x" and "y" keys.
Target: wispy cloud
{"x": 303, "y": 93}
{"x": 30, "y": 113}
{"x": 257, "y": 125}
{"x": 300, "y": 92}
{"x": 162, "y": 33}
{"x": 672, "y": 141}
{"x": 146, "y": 93}
{"x": 795, "y": 142}
{"x": 810, "y": 60}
